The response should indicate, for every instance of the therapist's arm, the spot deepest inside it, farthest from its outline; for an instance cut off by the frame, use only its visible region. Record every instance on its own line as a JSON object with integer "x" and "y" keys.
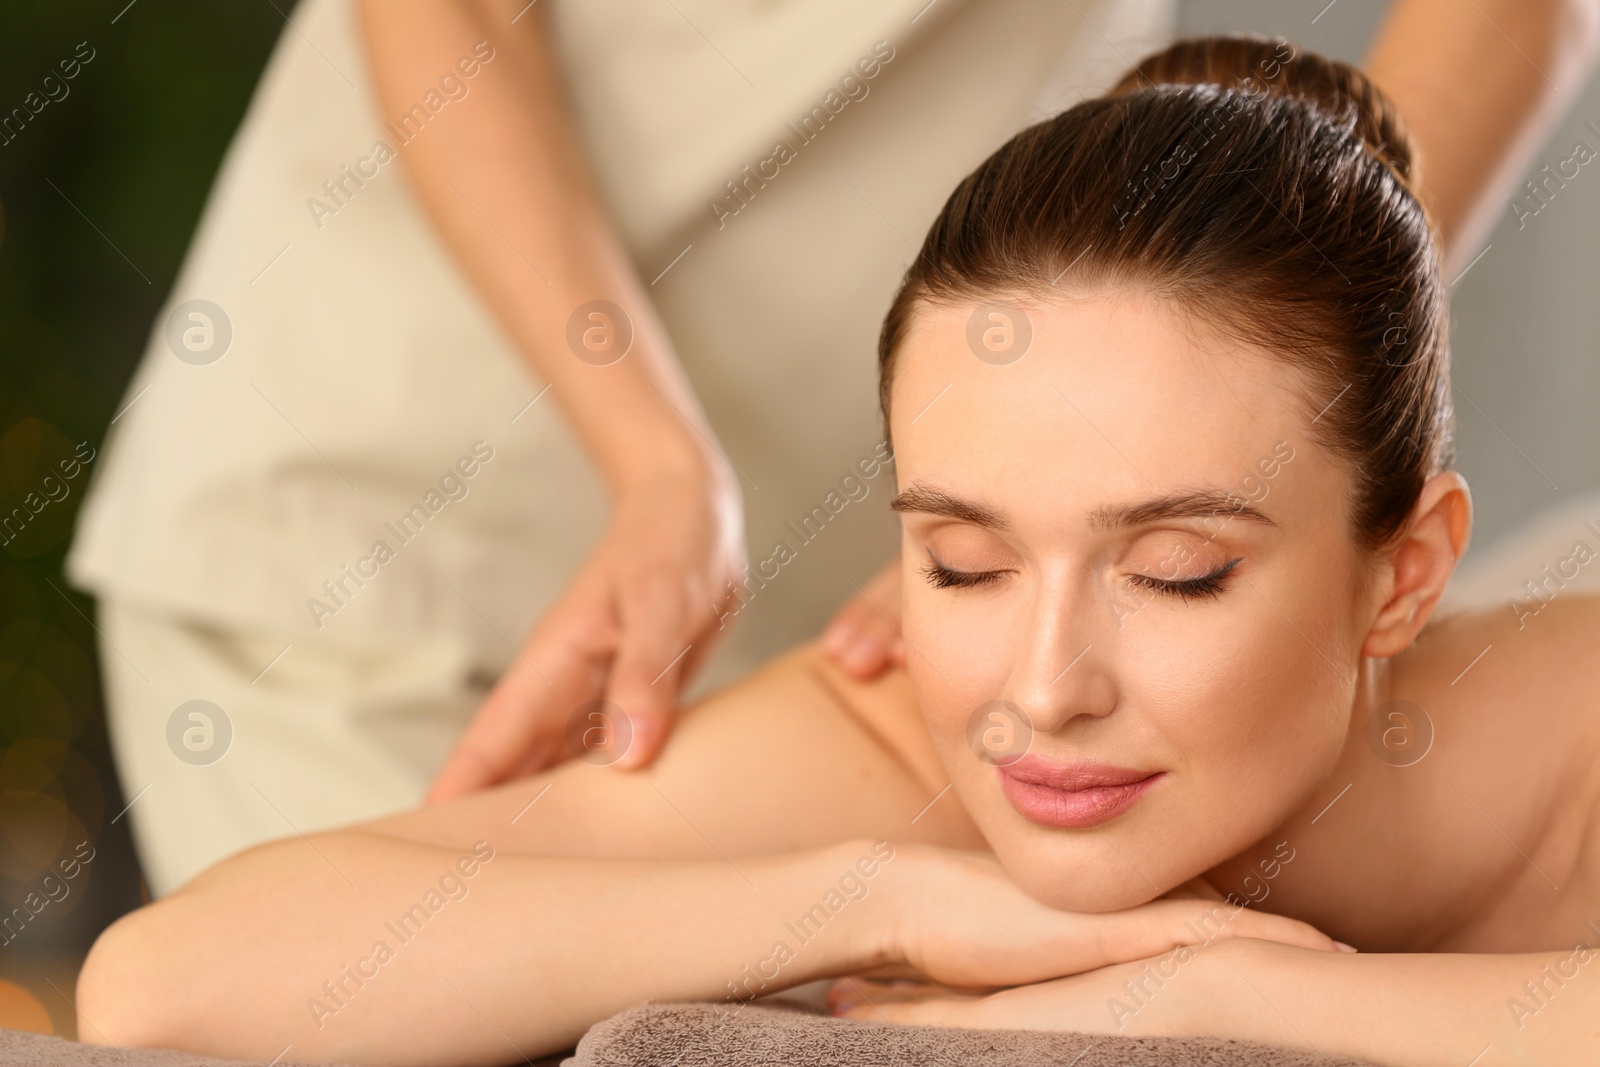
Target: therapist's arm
{"x": 1482, "y": 84}
{"x": 505, "y": 182}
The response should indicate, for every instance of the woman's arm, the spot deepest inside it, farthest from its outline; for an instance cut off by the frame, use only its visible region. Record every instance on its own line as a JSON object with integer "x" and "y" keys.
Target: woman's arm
{"x": 599, "y": 890}
{"x": 1482, "y": 84}
{"x": 353, "y": 947}
{"x": 359, "y": 948}
{"x": 506, "y": 922}
{"x": 1400, "y": 1010}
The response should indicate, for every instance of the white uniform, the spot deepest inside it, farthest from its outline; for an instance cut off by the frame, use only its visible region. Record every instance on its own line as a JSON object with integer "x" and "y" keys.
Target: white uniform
{"x": 287, "y": 489}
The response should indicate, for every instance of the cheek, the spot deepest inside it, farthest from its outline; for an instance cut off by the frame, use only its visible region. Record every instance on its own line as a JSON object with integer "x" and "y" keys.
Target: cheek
{"x": 1221, "y": 685}
{"x": 1240, "y": 701}
{"x": 1254, "y": 705}
{"x": 958, "y": 657}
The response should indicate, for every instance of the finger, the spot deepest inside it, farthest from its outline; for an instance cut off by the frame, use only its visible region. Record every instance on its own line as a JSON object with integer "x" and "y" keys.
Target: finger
{"x": 860, "y": 997}
{"x": 1268, "y": 927}
{"x": 476, "y": 760}
{"x": 1196, "y": 888}
{"x": 1158, "y": 927}
{"x": 898, "y": 1014}
{"x": 855, "y": 633}
{"x": 710, "y": 635}
{"x": 647, "y": 673}
{"x": 893, "y": 990}
{"x": 856, "y": 1001}
{"x": 525, "y": 714}
{"x": 864, "y": 634}
{"x": 566, "y": 731}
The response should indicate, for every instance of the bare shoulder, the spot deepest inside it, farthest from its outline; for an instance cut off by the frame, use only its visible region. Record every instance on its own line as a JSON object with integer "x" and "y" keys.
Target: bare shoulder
{"x": 887, "y": 708}
{"x": 1540, "y": 667}
{"x": 794, "y": 755}
{"x": 1513, "y": 705}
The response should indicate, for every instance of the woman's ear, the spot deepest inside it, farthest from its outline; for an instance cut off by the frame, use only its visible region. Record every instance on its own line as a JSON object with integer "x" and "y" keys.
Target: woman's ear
{"x": 1416, "y": 568}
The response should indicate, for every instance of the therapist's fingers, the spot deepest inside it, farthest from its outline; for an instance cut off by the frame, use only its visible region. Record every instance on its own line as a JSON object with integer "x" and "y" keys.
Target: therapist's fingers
{"x": 864, "y": 635}
{"x": 496, "y": 745}
{"x": 522, "y": 725}
{"x": 659, "y": 632}
{"x": 570, "y": 726}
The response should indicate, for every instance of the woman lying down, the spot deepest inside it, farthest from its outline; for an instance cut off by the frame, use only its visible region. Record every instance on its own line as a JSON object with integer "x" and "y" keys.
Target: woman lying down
{"x": 1168, "y": 390}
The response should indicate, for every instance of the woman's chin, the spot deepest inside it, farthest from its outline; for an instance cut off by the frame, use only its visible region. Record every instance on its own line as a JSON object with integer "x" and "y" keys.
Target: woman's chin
{"x": 1061, "y": 879}
{"x": 1071, "y": 869}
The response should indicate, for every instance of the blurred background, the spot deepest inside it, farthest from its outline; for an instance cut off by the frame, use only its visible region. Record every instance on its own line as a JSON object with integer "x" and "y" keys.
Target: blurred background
{"x": 99, "y": 194}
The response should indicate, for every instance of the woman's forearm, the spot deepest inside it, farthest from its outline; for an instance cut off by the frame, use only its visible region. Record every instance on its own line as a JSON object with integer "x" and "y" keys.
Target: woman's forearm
{"x": 1405, "y": 1009}
{"x": 1401, "y": 1010}
{"x": 506, "y": 183}
{"x": 360, "y": 948}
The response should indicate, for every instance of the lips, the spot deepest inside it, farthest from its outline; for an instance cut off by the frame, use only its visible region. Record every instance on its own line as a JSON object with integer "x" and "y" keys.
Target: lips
{"x": 1075, "y": 795}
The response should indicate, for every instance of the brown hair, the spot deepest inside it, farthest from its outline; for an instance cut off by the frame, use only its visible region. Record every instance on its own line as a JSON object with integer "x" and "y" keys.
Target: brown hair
{"x": 1260, "y": 188}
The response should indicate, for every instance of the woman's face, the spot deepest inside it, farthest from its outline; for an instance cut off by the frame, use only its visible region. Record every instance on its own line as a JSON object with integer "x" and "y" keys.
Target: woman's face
{"x": 1130, "y": 674}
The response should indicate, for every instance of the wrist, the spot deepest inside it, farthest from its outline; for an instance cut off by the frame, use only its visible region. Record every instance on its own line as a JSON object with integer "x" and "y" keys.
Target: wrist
{"x": 852, "y": 889}
{"x": 1219, "y": 970}
{"x": 680, "y": 460}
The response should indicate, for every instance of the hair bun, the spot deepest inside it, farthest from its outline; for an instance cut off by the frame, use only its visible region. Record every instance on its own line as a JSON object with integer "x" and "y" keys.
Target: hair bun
{"x": 1272, "y": 64}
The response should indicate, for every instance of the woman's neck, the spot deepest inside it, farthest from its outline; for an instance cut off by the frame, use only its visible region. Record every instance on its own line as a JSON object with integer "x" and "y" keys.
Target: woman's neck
{"x": 1342, "y": 858}
{"x": 1468, "y": 827}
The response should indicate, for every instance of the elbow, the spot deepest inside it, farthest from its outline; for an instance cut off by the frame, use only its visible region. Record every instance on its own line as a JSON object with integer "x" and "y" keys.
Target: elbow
{"x": 186, "y": 973}
{"x": 127, "y": 992}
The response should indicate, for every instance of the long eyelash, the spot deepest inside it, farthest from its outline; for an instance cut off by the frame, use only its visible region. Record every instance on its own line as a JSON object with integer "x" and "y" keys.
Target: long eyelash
{"x": 941, "y": 577}
{"x": 1209, "y": 585}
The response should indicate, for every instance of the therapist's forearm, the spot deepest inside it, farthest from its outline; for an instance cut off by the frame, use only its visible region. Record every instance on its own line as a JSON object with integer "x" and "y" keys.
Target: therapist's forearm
{"x": 279, "y": 945}
{"x": 504, "y": 180}
{"x": 1482, "y": 84}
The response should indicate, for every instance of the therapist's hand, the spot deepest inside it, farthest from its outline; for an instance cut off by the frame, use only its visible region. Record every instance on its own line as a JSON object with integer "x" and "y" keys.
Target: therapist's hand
{"x": 506, "y": 183}
{"x": 632, "y": 626}
{"x": 864, "y": 636}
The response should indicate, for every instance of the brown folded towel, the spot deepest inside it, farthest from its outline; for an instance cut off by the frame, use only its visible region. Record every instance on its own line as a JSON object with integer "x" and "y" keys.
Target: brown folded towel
{"x": 710, "y": 1035}
{"x": 41, "y": 1050}
{"x": 21, "y": 1049}
{"x": 697, "y": 1035}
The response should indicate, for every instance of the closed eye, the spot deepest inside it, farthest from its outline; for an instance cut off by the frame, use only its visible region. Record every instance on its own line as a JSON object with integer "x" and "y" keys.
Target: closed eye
{"x": 941, "y": 577}
{"x": 1209, "y": 585}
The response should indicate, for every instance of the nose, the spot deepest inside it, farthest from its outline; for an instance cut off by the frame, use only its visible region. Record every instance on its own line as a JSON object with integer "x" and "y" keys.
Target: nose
{"x": 1061, "y": 672}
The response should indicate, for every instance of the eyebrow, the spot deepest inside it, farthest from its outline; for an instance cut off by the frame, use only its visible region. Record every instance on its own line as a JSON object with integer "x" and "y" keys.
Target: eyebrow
{"x": 931, "y": 501}
{"x": 1181, "y": 504}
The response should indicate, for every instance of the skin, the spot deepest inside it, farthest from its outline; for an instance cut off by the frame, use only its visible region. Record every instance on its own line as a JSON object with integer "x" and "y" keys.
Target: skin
{"x": 606, "y": 889}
